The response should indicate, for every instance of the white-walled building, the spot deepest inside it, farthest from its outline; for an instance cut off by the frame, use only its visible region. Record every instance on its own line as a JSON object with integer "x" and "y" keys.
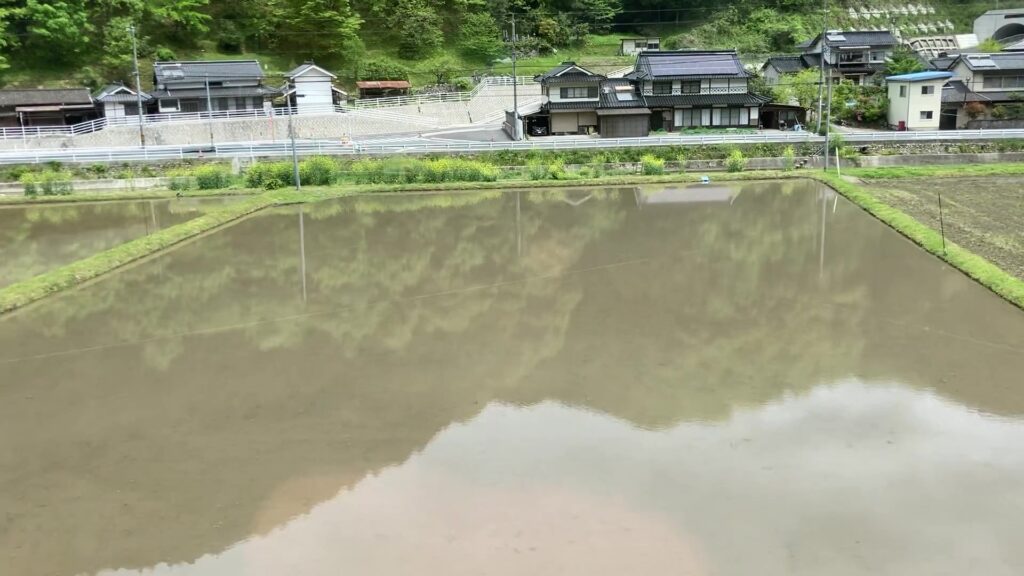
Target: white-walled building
{"x": 118, "y": 101}
{"x": 915, "y": 100}
{"x": 311, "y": 89}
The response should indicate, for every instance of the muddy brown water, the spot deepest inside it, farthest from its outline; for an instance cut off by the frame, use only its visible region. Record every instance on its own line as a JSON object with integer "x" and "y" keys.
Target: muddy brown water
{"x": 731, "y": 379}
{"x": 38, "y": 238}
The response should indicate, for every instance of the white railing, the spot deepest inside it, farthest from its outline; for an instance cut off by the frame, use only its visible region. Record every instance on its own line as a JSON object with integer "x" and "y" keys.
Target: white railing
{"x": 704, "y": 91}
{"x": 172, "y": 117}
{"x": 420, "y": 146}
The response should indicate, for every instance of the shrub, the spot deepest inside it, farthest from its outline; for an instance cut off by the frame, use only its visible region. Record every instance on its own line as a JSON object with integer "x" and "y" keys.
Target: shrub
{"x": 736, "y": 161}
{"x": 165, "y": 53}
{"x": 651, "y": 165}
{"x": 410, "y": 170}
{"x": 318, "y": 171}
{"x": 537, "y": 170}
{"x": 212, "y": 177}
{"x": 180, "y": 183}
{"x": 556, "y": 170}
{"x": 681, "y": 162}
{"x": 789, "y": 159}
{"x": 48, "y": 183}
{"x": 274, "y": 174}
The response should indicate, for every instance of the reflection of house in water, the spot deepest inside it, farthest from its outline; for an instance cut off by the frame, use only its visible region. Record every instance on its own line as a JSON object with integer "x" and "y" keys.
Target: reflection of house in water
{"x": 697, "y": 194}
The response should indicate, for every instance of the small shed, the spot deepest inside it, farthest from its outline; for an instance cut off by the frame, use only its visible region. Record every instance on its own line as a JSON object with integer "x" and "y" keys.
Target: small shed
{"x": 118, "y": 101}
{"x": 915, "y": 100}
{"x": 629, "y": 46}
{"x": 383, "y": 88}
{"x": 311, "y": 89}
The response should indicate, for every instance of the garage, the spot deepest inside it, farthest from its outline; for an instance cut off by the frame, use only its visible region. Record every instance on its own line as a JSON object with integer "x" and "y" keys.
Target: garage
{"x": 625, "y": 122}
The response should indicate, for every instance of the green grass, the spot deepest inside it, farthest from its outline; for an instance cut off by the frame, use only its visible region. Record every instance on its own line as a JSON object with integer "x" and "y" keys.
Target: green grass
{"x": 984, "y": 272}
{"x": 891, "y": 172}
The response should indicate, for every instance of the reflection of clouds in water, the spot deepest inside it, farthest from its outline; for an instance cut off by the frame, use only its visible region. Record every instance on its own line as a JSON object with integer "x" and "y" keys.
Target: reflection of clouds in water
{"x": 848, "y": 479}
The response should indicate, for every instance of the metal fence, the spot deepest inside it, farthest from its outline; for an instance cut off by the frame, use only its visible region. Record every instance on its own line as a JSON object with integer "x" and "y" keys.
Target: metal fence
{"x": 413, "y": 145}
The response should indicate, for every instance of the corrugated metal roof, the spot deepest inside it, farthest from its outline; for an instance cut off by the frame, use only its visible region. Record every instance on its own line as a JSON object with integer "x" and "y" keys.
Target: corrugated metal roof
{"x": 920, "y": 76}
{"x": 383, "y": 84}
{"x": 215, "y": 70}
{"x": 43, "y": 96}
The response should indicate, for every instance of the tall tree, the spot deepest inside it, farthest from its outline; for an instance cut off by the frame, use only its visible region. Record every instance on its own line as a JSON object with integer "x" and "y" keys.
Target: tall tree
{"x": 480, "y": 38}
{"x": 326, "y": 29}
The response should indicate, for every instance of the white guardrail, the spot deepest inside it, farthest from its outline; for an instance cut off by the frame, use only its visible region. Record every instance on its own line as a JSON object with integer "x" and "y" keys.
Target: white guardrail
{"x": 157, "y": 119}
{"x": 413, "y": 145}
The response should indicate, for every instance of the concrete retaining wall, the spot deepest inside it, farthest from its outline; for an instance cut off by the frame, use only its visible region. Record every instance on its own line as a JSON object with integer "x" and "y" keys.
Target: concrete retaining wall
{"x": 100, "y": 185}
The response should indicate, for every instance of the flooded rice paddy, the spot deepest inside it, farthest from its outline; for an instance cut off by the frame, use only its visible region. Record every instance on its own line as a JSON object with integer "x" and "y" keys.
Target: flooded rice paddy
{"x": 38, "y": 238}
{"x": 722, "y": 380}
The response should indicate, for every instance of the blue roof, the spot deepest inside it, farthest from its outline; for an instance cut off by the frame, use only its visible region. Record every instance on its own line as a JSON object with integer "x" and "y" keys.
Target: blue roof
{"x": 921, "y": 76}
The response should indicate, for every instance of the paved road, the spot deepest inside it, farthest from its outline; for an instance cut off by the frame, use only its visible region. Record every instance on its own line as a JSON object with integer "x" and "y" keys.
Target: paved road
{"x": 464, "y": 142}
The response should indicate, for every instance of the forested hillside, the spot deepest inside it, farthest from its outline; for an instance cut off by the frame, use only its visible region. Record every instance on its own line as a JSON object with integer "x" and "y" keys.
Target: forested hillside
{"x": 88, "y": 41}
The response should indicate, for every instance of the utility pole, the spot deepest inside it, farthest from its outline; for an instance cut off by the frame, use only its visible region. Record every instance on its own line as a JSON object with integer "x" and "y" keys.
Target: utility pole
{"x": 516, "y": 127}
{"x": 821, "y": 68}
{"x": 295, "y": 155}
{"x": 828, "y": 120}
{"x": 138, "y": 84}
{"x": 209, "y": 108}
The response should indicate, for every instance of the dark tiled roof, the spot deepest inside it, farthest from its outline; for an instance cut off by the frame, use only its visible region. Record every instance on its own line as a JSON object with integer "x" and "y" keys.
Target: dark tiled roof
{"x": 688, "y": 64}
{"x": 942, "y": 63}
{"x": 579, "y": 74}
{"x": 786, "y": 64}
{"x": 217, "y": 92}
{"x": 118, "y": 93}
{"x": 215, "y": 70}
{"x": 588, "y": 106}
{"x": 42, "y": 96}
{"x": 610, "y": 99}
{"x": 956, "y": 92}
{"x": 856, "y": 38}
{"x": 811, "y": 60}
{"x": 1000, "y": 61}
{"x": 704, "y": 100}
{"x": 306, "y": 67}
{"x": 574, "y": 78}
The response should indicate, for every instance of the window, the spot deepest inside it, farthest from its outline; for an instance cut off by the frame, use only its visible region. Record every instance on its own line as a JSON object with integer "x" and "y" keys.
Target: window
{"x": 240, "y": 103}
{"x": 903, "y": 91}
{"x": 997, "y": 82}
{"x": 926, "y": 90}
{"x": 662, "y": 88}
{"x": 689, "y": 118}
{"x": 878, "y": 56}
{"x": 691, "y": 87}
{"x": 578, "y": 92}
{"x": 731, "y": 117}
{"x": 926, "y": 115}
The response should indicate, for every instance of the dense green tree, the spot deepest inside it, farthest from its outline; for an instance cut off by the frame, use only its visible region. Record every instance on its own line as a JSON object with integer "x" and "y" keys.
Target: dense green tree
{"x": 60, "y": 29}
{"x": 903, "y": 61}
{"x": 480, "y": 37}
{"x": 325, "y": 29}
{"x": 419, "y": 28}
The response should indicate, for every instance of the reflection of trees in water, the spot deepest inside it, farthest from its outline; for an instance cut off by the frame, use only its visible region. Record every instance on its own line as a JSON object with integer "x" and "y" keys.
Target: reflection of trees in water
{"x": 414, "y": 319}
{"x": 34, "y": 239}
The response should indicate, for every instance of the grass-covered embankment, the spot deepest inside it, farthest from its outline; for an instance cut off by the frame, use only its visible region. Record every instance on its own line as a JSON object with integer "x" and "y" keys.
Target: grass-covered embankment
{"x": 984, "y": 272}
{"x": 38, "y": 287}
{"x": 958, "y": 170}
